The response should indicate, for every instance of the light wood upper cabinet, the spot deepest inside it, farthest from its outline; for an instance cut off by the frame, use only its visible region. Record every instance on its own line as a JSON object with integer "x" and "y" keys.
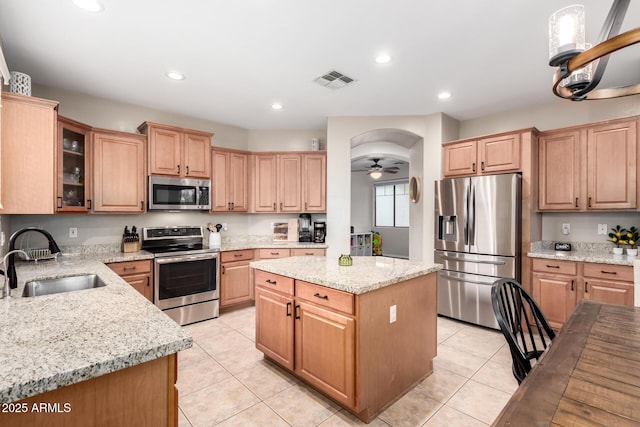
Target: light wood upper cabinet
{"x": 229, "y": 181}
{"x": 459, "y": 159}
{"x": 28, "y": 154}
{"x": 265, "y": 183}
{"x": 499, "y": 154}
{"x": 175, "y": 151}
{"x": 290, "y": 182}
{"x": 73, "y": 177}
{"x": 490, "y": 155}
{"x": 119, "y": 172}
{"x": 611, "y": 165}
{"x": 559, "y": 167}
{"x": 314, "y": 181}
{"x": 590, "y": 167}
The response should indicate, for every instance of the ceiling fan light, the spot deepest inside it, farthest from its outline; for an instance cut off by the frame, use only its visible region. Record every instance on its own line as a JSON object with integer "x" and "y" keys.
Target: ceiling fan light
{"x": 580, "y": 78}
{"x": 375, "y": 175}
{"x": 566, "y": 34}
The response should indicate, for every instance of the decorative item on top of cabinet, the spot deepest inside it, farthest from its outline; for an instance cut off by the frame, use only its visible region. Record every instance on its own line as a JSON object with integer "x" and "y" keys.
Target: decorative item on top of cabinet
{"x": 589, "y": 167}
{"x": 488, "y": 155}
{"x": 74, "y": 166}
{"x": 119, "y": 172}
{"x": 175, "y": 151}
{"x": 229, "y": 180}
{"x": 28, "y": 154}
{"x": 137, "y": 274}
{"x": 236, "y": 285}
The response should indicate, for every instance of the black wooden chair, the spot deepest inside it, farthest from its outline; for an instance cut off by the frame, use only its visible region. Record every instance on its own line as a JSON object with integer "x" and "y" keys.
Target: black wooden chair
{"x": 522, "y": 323}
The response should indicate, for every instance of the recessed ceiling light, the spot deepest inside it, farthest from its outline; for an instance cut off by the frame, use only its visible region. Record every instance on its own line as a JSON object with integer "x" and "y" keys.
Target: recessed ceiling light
{"x": 89, "y": 5}
{"x": 383, "y": 58}
{"x": 444, "y": 95}
{"x": 277, "y": 106}
{"x": 173, "y": 75}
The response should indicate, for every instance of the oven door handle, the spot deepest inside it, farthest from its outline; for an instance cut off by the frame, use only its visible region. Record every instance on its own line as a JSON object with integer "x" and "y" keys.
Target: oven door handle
{"x": 183, "y": 258}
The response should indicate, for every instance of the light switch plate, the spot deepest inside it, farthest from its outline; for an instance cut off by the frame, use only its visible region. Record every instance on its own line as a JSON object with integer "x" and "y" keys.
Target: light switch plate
{"x": 73, "y": 232}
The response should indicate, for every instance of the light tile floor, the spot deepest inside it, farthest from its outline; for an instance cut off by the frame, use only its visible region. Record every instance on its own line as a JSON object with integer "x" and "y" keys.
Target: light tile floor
{"x": 224, "y": 381}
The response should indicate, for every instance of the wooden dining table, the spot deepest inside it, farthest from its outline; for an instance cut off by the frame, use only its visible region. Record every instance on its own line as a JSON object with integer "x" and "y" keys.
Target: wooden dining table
{"x": 589, "y": 376}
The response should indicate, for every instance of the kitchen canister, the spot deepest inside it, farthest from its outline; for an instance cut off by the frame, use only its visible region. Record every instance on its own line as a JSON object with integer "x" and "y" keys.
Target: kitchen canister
{"x": 20, "y": 83}
{"x": 315, "y": 144}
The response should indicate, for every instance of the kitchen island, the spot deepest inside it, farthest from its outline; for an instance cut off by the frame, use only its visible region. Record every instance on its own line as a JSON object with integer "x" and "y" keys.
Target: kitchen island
{"x": 102, "y": 356}
{"x": 363, "y": 335}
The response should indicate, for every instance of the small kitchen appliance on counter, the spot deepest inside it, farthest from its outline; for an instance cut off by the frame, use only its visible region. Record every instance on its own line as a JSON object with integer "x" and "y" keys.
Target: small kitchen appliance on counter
{"x": 319, "y": 231}
{"x": 304, "y": 233}
{"x": 186, "y": 275}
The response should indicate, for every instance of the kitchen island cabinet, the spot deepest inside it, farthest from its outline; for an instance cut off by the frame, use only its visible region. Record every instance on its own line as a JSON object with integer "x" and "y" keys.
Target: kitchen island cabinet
{"x": 362, "y": 335}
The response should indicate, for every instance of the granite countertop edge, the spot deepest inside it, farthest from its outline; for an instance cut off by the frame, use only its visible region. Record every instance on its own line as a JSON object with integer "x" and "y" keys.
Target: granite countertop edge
{"x": 356, "y": 279}
{"x": 598, "y": 258}
{"x": 52, "y": 341}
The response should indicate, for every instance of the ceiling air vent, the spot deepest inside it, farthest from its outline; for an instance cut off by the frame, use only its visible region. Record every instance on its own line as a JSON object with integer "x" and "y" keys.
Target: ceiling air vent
{"x": 333, "y": 80}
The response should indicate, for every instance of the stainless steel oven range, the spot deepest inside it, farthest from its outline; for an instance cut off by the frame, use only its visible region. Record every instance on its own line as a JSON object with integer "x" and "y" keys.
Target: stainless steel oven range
{"x": 186, "y": 275}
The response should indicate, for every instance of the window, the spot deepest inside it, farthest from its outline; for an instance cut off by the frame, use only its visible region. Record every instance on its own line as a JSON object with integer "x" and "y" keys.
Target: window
{"x": 392, "y": 204}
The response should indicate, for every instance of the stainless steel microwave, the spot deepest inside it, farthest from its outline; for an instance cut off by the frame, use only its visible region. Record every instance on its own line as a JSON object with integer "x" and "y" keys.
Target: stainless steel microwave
{"x": 166, "y": 193}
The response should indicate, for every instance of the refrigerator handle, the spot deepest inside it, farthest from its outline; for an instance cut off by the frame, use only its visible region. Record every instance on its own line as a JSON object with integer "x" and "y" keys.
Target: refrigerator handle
{"x": 471, "y": 239}
{"x": 465, "y": 219}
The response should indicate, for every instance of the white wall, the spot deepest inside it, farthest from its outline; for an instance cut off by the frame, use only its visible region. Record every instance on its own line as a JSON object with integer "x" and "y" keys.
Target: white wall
{"x": 340, "y": 131}
{"x": 361, "y": 202}
{"x": 285, "y": 140}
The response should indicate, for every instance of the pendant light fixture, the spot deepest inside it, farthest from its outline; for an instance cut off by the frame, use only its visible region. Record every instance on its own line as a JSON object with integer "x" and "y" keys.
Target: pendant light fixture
{"x": 580, "y": 65}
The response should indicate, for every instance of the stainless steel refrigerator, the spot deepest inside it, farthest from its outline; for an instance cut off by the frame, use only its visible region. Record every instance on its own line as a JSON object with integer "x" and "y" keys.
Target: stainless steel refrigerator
{"x": 477, "y": 239}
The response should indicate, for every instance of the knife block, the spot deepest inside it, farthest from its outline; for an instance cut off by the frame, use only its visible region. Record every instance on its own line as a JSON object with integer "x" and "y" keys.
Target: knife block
{"x": 130, "y": 246}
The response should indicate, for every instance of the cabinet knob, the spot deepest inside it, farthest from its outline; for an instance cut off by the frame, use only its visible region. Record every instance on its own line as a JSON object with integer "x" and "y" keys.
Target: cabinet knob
{"x": 187, "y": 170}
{"x": 317, "y": 295}
{"x": 297, "y": 312}
{"x": 576, "y": 202}
{"x": 89, "y": 204}
{"x": 59, "y": 202}
{"x": 142, "y": 205}
{"x": 274, "y": 206}
{"x": 178, "y": 169}
{"x": 586, "y": 287}
{"x": 572, "y": 285}
{"x": 289, "y": 308}
{"x": 589, "y": 201}
{"x": 473, "y": 166}
{"x": 482, "y": 165}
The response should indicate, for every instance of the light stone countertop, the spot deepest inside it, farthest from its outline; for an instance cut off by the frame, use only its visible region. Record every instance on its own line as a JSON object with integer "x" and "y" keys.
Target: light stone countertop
{"x": 365, "y": 275}
{"x": 51, "y": 341}
{"x": 234, "y": 243}
{"x": 602, "y": 258}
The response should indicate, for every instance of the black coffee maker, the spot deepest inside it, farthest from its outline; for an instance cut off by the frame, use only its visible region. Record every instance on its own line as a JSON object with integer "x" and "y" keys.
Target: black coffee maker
{"x": 319, "y": 231}
{"x": 304, "y": 229}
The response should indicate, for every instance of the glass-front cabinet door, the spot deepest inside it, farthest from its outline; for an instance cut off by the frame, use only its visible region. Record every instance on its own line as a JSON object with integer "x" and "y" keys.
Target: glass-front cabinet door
{"x": 74, "y": 150}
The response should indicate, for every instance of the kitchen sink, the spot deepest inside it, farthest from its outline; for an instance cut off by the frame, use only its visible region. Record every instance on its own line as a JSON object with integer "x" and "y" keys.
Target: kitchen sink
{"x": 36, "y": 288}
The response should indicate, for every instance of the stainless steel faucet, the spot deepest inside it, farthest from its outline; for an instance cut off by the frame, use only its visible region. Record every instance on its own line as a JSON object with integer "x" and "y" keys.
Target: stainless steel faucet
{"x": 6, "y": 289}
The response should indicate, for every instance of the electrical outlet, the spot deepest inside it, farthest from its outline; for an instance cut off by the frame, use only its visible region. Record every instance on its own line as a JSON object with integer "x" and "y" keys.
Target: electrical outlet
{"x": 392, "y": 314}
{"x": 602, "y": 229}
{"x": 226, "y": 228}
{"x": 566, "y": 228}
{"x": 73, "y": 232}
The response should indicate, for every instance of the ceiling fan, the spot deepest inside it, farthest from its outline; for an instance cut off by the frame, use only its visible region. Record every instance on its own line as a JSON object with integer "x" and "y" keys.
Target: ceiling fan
{"x": 376, "y": 170}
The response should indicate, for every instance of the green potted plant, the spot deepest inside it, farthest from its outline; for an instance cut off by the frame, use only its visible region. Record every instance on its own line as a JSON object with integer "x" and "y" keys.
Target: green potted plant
{"x": 617, "y": 235}
{"x": 632, "y": 240}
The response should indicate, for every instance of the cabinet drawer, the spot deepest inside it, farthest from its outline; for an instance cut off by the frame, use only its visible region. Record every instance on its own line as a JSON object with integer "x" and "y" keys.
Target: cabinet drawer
{"x": 555, "y": 266}
{"x": 273, "y": 253}
{"x": 273, "y": 281}
{"x": 327, "y": 297}
{"x": 131, "y": 267}
{"x": 608, "y": 271}
{"x": 229, "y": 256}
{"x": 307, "y": 252}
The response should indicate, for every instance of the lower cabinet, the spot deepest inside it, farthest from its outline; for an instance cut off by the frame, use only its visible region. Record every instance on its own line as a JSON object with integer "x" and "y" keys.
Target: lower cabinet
{"x": 607, "y": 283}
{"x": 235, "y": 277}
{"x": 137, "y": 274}
{"x": 557, "y": 286}
{"x": 143, "y": 395}
{"x": 313, "y": 338}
